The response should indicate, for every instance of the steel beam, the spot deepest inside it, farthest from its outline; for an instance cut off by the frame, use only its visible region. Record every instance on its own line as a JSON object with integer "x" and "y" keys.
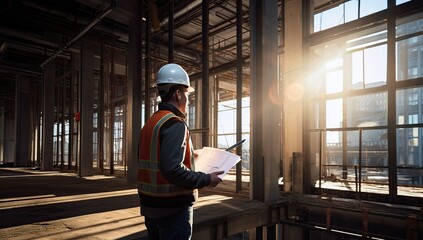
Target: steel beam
{"x": 239, "y": 92}
{"x": 147, "y": 71}
{"x": 205, "y": 73}
{"x": 133, "y": 120}
{"x": 171, "y": 42}
{"x": 392, "y": 122}
{"x": 365, "y": 219}
{"x": 257, "y": 215}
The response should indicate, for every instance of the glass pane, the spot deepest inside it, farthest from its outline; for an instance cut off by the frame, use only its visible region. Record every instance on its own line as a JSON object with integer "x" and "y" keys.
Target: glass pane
{"x": 368, "y": 66}
{"x": 357, "y": 70}
{"x": 317, "y": 22}
{"x": 410, "y": 160}
{"x": 375, "y": 62}
{"x": 332, "y": 164}
{"x": 334, "y": 113}
{"x": 409, "y": 25}
{"x": 409, "y": 50}
{"x": 329, "y": 18}
{"x": 338, "y": 15}
{"x": 246, "y": 114}
{"x": 333, "y": 147}
{"x": 409, "y": 180}
{"x": 374, "y": 156}
{"x": 409, "y": 58}
{"x": 368, "y": 7}
{"x": 375, "y": 148}
{"x": 367, "y": 110}
{"x": 409, "y": 147}
{"x": 409, "y": 106}
{"x": 351, "y": 10}
{"x": 225, "y": 141}
{"x": 402, "y": 1}
{"x": 334, "y": 82}
{"x": 226, "y": 122}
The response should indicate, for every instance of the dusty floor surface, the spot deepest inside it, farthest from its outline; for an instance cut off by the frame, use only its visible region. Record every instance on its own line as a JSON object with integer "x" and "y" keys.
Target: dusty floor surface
{"x": 38, "y": 204}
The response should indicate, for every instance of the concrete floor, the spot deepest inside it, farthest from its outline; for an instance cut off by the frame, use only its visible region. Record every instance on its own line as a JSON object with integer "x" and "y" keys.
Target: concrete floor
{"x": 54, "y": 205}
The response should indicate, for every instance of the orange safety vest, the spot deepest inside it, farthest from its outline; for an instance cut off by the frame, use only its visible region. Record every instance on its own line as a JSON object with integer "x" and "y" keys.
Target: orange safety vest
{"x": 150, "y": 180}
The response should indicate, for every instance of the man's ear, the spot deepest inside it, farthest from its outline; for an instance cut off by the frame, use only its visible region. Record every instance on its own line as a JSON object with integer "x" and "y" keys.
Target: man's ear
{"x": 178, "y": 95}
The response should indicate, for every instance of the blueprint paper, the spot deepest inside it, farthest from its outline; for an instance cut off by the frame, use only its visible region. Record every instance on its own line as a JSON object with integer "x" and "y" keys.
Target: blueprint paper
{"x": 212, "y": 160}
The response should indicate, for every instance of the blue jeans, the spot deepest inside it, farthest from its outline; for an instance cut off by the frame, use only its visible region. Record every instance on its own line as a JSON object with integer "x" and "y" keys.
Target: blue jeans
{"x": 177, "y": 226}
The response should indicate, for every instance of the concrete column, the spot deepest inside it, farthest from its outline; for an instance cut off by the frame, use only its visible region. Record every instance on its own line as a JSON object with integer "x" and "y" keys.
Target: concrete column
{"x": 48, "y": 117}
{"x": 265, "y": 139}
{"x": 294, "y": 89}
{"x": 22, "y": 116}
{"x": 133, "y": 120}
{"x": 86, "y": 101}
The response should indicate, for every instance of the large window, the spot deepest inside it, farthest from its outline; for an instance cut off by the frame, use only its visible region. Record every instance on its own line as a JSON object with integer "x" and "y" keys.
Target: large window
{"x": 350, "y": 130}
{"x": 409, "y": 105}
{"x": 337, "y": 14}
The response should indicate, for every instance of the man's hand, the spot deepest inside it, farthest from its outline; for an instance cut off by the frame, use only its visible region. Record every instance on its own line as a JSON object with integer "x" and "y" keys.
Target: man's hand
{"x": 215, "y": 179}
{"x": 197, "y": 153}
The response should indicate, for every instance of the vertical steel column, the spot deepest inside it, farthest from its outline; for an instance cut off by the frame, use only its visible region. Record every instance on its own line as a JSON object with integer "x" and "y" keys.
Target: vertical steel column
{"x": 100, "y": 115}
{"x": 297, "y": 172}
{"x": 86, "y": 102}
{"x": 63, "y": 136}
{"x": 147, "y": 104}
{"x": 392, "y": 132}
{"x": 360, "y": 159}
{"x": 133, "y": 119}
{"x": 33, "y": 126}
{"x": 22, "y": 143}
{"x": 239, "y": 92}
{"x": 73, "y": 80}
{"x": 56, "y": 115}
{"x": 205, "y": 73}
{"x": 321, "y": 141}
{"x": 256, "y": 71}
{"x": 48, "y": 117}
{"x": 112, "y": 113}
{"x": 38, "y": 127}
{"x": 265, "y": 112}
{"x": 271, "y": 232}
{"x": 259, "y": 230}
{"x": 171, "y": 43}
{"x": 2, "y": 133}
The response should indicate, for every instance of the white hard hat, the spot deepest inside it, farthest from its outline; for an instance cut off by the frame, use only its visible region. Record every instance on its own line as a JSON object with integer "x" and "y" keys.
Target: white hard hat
{"x": 172, "y": 73}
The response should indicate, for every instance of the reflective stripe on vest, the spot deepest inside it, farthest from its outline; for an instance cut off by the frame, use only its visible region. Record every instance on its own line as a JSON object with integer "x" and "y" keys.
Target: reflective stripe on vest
{"x": 150, "y": 180}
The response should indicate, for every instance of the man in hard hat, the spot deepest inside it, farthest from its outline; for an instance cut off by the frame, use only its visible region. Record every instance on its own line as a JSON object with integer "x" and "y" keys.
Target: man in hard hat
{"x": 167, "y": 181}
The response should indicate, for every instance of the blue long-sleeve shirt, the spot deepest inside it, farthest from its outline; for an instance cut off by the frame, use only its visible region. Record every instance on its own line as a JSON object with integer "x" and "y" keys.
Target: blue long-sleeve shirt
{"x": 173, "y": 144}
